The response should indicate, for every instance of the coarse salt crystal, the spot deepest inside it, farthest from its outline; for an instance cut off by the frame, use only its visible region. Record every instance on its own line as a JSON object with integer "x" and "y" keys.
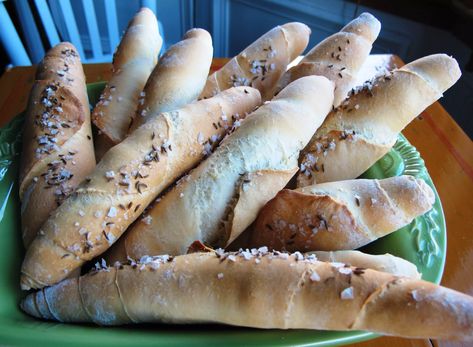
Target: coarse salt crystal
{"x": 246, "y": 255}
{"x": 337, "y": 264}
{"x": 314, "y": 276}
{"x": 110, "y": 174}
{"x": 220, "y": 276}
{"x": 81, "y": 213}
{"x": 200, "y": 138}
{"x": 147, "y": 220}
{"x": 347, "y": 294}
{"x": 415, "y": 295}
{"x": 112, "y": 212}
{"x": 345, "y": 270}
{"x": 263, "y": 249}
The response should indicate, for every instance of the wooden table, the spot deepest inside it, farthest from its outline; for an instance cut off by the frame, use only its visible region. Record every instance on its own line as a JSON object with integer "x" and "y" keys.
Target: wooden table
{"x": 446, "y": 149}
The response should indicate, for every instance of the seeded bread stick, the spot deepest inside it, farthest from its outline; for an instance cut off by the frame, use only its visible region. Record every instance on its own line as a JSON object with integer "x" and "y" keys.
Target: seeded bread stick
{"x": 178, "y": 78}
{"x": 125, "y": 181}
{"x": 222, "y": 196}
{"x": 133, "y": 61}
{"x": 366, "y": 125}
{"x": 339, "y": 57}
{"x": 260, "y": 289}
{"x": 261, "y": 64}
{"x": 340, "y": 215}
{"x": 58, "y": 152}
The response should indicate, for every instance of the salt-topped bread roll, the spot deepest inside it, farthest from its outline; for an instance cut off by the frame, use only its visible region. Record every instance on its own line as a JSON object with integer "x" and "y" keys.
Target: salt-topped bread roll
{"x": 262, "y": 63}
{"x": 366, "y": 125}
{"x": 260, "y": 289}
{"x": 58, "y": 152}
{"x": 340, "y": 215}
{"x": 133, "y": 62}
{"x": 339, "y": 57}
{"x": 126, "y": 180}
{"x": 178, "y": 78}
{"x": 223, "y": 195}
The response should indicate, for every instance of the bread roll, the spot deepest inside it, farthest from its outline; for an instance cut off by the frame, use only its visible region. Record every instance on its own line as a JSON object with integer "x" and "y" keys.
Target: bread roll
{"x": 178, "y": 78}
{"x": 258, "y": 289}
{"x": 223, "y": 195}
{"x": 382, "y": 262}
{"x": 339, "y": 57}
{"x": 262, "y": 63}
{"x": 133, "y": 62}
{"x": 340, "y": 215}
{"x": 125, "y": 181}
{"x": 366, "y": 126}
{"x": 58, "y": 152}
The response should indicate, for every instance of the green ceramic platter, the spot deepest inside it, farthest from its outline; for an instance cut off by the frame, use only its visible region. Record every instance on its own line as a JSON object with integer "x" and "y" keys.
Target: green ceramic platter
{"x": 423, "y": 242}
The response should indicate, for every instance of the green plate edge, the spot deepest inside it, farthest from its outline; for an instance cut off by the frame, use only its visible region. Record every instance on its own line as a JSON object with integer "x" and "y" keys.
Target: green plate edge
{"x": 423, "y": 242}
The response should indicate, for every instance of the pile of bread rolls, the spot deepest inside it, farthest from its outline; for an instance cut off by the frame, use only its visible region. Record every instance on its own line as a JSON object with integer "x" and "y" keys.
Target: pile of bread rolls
{"x": 188, "y": 163}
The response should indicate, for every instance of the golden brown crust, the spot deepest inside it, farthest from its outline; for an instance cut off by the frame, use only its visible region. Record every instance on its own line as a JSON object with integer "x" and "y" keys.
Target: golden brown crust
{"x": 133, "y": 62}
{"x": 261, "y": 289}
{"x": 126, "y": 180}
{"x": 339, "y": 57}
{"x": 253, "y": 163}
{"x": 340, "y": 215}
{"x": 262, "y": 63}
{"x": 178, "y": 78}
{"x": 57, "y": 144}
{"x": 366, "y": 125}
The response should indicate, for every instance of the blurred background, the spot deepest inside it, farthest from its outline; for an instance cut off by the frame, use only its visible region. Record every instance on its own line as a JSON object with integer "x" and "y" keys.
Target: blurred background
{"x": 410, "y": 29}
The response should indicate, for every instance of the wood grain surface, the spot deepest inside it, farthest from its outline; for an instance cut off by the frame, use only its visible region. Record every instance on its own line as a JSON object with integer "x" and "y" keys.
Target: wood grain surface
{"x": 445, "y": 148}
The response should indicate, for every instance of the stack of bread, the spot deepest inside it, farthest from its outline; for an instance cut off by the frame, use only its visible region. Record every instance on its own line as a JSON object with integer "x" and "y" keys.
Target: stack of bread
{"x": 191, "y": 162}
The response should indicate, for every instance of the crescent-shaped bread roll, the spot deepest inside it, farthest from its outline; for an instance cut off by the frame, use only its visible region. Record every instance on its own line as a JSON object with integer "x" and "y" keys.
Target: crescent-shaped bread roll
{"x": 178, "y": 78}
{"x": 223, "y": 195}
{"x": 58, "y": 152}
{"x": 340, "y": 215}
{"x": 366, "y": 125}
{"x": 261, "y": 64}
{"x": 382, "y": 262}
{"x": 126, "y": 180}
{"x": 258, "y": 289}
{"x": 339, "y": 57}
{"x": 133, "y": 61}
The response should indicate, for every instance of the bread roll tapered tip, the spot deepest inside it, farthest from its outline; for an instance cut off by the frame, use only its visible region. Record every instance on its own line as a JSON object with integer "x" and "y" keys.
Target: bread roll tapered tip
{"x": 428, "y": 192}
{"x": 366, "y": 25}
{"x": 197, "y": 32}
{"x": 146, "y": 9}
{"x": 439, "y": 70}
{"x": 298, "y": 37}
